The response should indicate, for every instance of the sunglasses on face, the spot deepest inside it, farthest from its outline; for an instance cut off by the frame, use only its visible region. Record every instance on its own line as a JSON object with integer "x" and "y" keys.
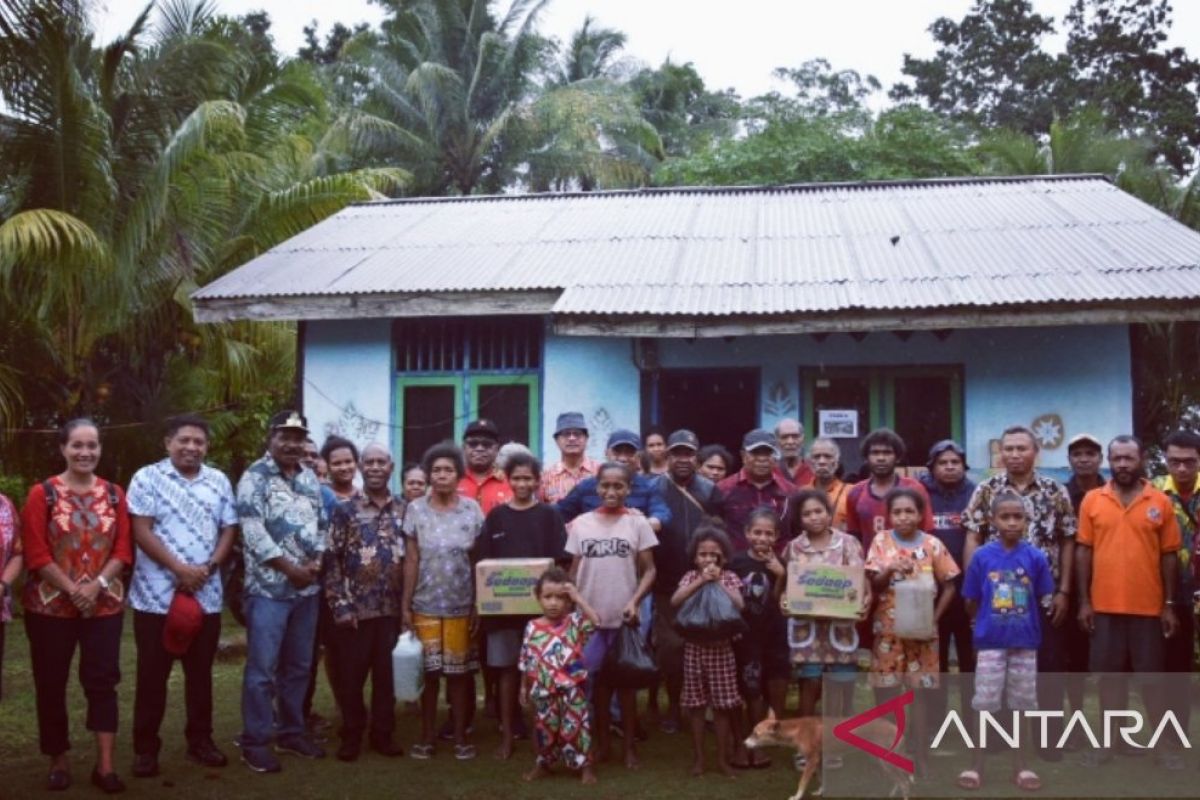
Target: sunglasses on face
{"x": 478, "y": 444}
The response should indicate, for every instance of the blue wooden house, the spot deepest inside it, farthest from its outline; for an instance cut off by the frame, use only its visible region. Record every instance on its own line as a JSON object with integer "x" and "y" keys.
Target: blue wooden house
{"x": 940, "y": 308}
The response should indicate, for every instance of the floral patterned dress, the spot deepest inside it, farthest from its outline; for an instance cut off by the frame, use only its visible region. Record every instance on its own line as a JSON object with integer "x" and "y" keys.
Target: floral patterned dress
{"x": 552, "y": 661}
{"x": 896, "y": 661}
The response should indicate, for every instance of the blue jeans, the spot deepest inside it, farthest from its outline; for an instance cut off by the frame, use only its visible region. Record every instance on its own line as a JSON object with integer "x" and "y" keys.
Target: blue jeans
{"x": 279, "y": 651}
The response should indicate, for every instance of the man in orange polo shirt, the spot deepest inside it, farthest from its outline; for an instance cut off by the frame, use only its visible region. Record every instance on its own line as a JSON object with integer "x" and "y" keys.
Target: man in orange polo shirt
{"x": 1127, "y": 567}
{"x": 484, "y": 482}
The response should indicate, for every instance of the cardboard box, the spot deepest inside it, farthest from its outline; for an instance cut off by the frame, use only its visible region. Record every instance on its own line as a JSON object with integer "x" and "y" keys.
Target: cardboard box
{"x": 823, "y": 590}
{"x": 505, "y": 585}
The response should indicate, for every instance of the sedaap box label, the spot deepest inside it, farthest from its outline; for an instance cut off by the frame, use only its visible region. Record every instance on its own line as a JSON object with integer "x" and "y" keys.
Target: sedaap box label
{"x": 824, "y": 590}
{"x": 505, "y": 585}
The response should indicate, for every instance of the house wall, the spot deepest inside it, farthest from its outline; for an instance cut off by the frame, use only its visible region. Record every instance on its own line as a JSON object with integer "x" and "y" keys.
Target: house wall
{"x": 1011, "y": 376}
{"x": 348, "y": 380}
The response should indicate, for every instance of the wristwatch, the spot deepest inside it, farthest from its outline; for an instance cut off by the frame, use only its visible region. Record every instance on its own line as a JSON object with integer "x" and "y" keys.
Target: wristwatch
{"x": 213, "y": 566}
{"x": 103, "y": 581}
{"x": 4, "y": 589}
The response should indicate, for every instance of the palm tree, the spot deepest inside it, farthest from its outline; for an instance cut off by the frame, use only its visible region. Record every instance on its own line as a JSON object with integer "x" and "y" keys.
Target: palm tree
{"x": 135, "y": 173}
{"x": 590, "y": 54}
{"x": 450, "y": 77}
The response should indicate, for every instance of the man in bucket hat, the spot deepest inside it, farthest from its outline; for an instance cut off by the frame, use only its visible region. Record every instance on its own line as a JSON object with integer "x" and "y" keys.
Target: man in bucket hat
{"x": 184, "y": 523}
{"x": 573, "y": 465}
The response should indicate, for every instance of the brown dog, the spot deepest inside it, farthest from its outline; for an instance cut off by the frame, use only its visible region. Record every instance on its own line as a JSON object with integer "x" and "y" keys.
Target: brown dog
{"x": 805, "y": 735}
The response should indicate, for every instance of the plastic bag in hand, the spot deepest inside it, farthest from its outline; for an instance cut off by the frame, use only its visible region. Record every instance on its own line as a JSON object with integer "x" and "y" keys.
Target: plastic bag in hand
{"x": 629, "y": 663}
{"x": 709, "y": 616}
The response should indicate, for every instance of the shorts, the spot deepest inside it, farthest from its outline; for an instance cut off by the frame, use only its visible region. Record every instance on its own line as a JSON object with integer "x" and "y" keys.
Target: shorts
{"x": 840, "y": 673}
{"x": 1127, "y": 643}
{"x": 1012, "y": 673}
{"x": 447, "y": 644}
{"x": 503, "y": 648}
{"x": 904, "y": 662}
{"x": 710, "y": 677}
{"x": 668, "y": 644}
{"x": 762, "y": 656}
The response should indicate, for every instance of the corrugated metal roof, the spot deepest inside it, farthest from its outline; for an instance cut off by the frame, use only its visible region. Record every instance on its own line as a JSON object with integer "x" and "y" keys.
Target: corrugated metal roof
{"x": 748, "y": 250}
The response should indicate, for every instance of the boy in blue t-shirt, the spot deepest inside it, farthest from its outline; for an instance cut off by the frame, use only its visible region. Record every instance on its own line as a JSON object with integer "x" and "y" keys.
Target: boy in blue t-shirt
{"x": 1005, "y": 584}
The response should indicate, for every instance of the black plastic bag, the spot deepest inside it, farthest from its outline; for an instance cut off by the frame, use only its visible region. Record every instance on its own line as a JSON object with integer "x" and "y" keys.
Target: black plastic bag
{"x": 709, "y": 616}
{"x": 629, "y": 663}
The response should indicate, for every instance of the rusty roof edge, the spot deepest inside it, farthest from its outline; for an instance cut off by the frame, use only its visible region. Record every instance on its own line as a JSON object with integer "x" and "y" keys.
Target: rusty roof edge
{"x": 964, "y": 180}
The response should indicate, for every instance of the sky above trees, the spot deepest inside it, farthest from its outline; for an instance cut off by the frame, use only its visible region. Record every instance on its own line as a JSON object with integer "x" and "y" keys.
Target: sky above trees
{"x": 731, "y": 45}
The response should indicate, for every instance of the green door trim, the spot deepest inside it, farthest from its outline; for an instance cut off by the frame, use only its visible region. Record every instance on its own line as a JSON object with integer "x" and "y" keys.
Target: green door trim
{"x": 531, "y": 382}
{"x": 882, "y": 390}
{"x": 402, "y": 383}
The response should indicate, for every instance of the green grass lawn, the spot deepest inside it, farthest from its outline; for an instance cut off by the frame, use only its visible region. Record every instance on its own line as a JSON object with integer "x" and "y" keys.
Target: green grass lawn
{"x": 665, "y": 758}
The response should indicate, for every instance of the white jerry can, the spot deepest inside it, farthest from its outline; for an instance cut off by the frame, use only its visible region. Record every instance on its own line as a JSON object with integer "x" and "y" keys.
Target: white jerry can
{"x": 408, "y": 667}
{"x": 915, "y": 598}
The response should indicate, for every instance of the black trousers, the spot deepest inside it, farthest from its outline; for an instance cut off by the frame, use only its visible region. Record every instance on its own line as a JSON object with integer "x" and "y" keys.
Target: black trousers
{"x": 324, "y": 638}
{"x": 52, "y": 643}
{"x": 154, "y": 666}
{"x": 367, "y": 649}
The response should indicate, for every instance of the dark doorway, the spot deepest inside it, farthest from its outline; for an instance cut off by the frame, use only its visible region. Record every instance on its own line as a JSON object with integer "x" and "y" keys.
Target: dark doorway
{"x": 844, "y": 393}
{"x": 923, "y": 413}
{"x": 719, "y": 405}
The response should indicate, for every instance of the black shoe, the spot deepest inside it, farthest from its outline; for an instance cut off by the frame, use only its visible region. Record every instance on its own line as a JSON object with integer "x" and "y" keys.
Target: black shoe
{"x": 145, "y": 765}
{"x": 58, "y": 780}
{"x": 109, "y": 784}
{"x": 260, "y": 759}
{"x": 206, "y": 754}
{"x": 299, "y": 746}
{"x": 348, "y": 751}
{"x": 386, "y": 747}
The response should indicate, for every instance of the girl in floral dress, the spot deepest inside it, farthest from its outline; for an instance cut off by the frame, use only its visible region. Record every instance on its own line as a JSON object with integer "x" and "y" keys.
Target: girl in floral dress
{"x": 553, "y": 676}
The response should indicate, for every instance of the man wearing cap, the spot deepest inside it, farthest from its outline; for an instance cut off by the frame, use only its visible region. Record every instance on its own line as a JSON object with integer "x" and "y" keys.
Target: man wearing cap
{"x": 789, "y": 434}
{"x": 692, "y": 499}
{"x": 484, "y": 482}
{"x": 571, "y": 436}
{"x": 825, "y": 455}
{"x": 1085, "y": 454}
{"x": 363, "y": 582}
{"x": 284, "y": 530}
{"x": 644, "y": 494}
{"x": 184, "y": 523}
{"x": 949, "y": 491}
{"x": 1051, "y": 529}
{"x": 756, "y": 484}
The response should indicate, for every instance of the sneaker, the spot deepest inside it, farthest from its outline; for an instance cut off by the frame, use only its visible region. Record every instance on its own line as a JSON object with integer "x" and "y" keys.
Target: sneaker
{"x": 145, "y": 765}
{"x": 260, "y": 759}
{"x": 206, "y": 754}
{"x": 299, "y": 746}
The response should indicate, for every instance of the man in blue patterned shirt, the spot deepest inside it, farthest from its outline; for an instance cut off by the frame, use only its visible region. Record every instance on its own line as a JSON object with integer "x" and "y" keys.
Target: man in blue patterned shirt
{"x": 284, "y": 529}
{"x": 184, "y": 523}
{"x": 363, "y": 584}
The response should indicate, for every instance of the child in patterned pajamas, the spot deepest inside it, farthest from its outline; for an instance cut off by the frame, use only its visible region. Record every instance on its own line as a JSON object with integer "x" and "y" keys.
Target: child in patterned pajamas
{"x": 553, "y": 676}
{"x": 710, "y": 669}
{"x": 1007, "y": 584}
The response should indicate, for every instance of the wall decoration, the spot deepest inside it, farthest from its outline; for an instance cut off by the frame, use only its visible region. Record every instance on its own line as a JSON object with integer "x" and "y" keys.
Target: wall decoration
{"x": 354, "y": 426}
{"x": 1049, "y": 430}
{"x": 837, "y": 423}
{"x": 600, "y": 426}
{"x": 779, "y": 401}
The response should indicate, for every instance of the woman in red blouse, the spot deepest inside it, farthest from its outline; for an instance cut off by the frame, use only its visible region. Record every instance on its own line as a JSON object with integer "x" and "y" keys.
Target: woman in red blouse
{"x": 75, "y": 534}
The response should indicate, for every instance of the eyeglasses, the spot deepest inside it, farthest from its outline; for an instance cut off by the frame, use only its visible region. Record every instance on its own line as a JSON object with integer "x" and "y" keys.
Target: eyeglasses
{"x": 478, "y": 444}
{"x": 573, "y": 434}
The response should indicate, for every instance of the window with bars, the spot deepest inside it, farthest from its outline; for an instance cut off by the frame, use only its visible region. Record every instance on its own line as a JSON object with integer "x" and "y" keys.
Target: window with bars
{"x": 450, "y": 371}
{"x": 468, "y": 345}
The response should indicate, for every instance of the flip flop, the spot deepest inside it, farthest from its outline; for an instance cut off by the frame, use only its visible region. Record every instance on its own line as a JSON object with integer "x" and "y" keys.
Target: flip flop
{"x": 969, "y": 779}
{"x": 1027, "y": 781}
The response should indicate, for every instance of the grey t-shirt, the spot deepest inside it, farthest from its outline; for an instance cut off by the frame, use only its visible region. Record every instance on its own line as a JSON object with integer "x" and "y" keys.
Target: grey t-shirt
{"x": 445, "y": 586}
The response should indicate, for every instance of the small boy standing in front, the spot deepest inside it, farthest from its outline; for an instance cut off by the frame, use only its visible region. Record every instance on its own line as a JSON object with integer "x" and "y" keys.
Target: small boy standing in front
{"x": 1007, "y": 584}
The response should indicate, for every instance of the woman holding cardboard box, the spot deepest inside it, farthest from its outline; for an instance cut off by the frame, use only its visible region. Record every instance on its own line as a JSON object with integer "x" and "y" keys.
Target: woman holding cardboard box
{"x": 821, "y": 645}
{"x": 522, "y": 528}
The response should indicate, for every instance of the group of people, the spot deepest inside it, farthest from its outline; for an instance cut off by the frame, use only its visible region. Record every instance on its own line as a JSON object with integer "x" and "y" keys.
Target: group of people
{"x": 1028, "y": 576}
